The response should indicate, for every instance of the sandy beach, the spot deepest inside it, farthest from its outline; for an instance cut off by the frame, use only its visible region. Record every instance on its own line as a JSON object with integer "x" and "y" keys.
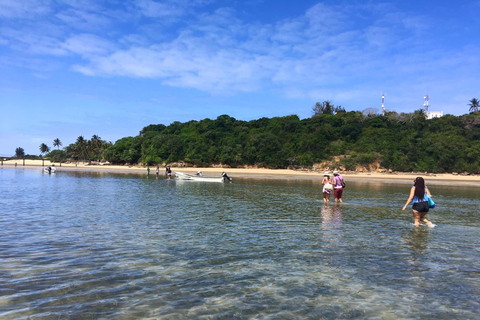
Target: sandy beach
{"x": 396, "y": 177}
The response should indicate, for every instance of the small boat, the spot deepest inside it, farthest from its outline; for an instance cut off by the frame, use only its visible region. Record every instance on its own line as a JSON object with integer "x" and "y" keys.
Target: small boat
{"x": 49, "y": 170}
{"x": 199, "y": 177}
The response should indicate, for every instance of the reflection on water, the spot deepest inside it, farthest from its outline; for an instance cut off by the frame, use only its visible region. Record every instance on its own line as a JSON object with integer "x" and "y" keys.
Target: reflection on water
{"x": 331, "y": 216}
{"x": 78, "y": 245}
{"x": 416, "y": 239}
{"x": 331, "y": 226}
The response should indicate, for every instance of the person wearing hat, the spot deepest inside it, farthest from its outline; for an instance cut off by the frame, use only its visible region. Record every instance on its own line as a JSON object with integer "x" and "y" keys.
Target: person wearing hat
{"x": 337, "y": 186}
{"x": 327, "y": 187}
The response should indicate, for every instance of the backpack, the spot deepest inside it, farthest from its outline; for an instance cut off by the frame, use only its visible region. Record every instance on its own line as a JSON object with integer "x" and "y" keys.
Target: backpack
{"x": 343, "y": 183}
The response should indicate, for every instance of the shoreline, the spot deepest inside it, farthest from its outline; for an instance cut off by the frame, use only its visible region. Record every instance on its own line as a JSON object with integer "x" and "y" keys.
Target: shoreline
{"x": 405, "y": 177}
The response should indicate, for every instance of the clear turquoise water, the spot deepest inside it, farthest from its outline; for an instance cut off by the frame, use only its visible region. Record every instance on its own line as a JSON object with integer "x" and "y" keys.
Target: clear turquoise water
{"x": 110, "y": 246}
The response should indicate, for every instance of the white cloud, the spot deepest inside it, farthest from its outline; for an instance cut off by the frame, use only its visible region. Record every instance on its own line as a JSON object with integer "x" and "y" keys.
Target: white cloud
{"x": 221, "y": 53}
{"x": 360, "y": 47}
{"x": 88, "y": 45}
{"x": 324, "y": 19}
{"x": 33, "y": 42}
{"x": 28, "y": 9}
{"x": 155, "y": 9}
{"x": 83, "y": 19}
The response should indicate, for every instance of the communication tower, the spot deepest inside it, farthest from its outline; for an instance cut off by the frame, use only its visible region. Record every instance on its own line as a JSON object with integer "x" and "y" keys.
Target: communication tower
{"x": 383, "y": 104}
{"x": 425, "y": 103}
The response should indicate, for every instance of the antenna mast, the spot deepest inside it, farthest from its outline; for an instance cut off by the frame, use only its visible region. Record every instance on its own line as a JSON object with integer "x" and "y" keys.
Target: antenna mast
{"x": 425, "y": 103}
{"x": 383, "y": 104}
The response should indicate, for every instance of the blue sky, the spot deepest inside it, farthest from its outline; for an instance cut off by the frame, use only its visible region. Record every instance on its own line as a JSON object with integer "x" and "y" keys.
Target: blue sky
{"x": 110, "y": 68}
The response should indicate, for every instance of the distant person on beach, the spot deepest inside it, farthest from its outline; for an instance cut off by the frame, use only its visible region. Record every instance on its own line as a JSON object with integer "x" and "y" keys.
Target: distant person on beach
{"x": 168, "y": 172}
{"x": 148, "y": 171}
{"x": 157, "y": 171}
{"x": 327, "y": 187}
{"x": 337, "y": 186}
{"x": 419, "y": 194}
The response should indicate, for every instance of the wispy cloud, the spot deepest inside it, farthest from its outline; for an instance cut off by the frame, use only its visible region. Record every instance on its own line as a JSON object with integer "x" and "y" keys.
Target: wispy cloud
{"x": 153, "y": 9}
{"x": 88, "y": 45}
{"x": 81, "y": 19}
{"x": 13, "y": 9}
{"x": 32, "y": 42}
{"x": 219, "y": 52}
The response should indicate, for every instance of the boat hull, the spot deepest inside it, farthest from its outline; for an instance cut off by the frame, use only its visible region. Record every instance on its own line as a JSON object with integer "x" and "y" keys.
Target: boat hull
{"x": 191, "y": 177}
{"x": 46, "y": 170}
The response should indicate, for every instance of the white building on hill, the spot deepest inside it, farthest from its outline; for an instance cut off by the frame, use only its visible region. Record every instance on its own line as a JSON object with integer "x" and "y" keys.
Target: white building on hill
{"x": 431, "y": 114}
{"x": 434, "y": 114}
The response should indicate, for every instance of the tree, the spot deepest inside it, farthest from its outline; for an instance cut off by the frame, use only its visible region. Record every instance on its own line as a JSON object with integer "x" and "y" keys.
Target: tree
{"x": 81, "y": 150}
{"x": 339, "y": 109}
{"x": 44, "y": 149}
{"x": 19, "y": 152}
{"x": 57, "y": 156}
{"x": 370, "y": 112}
{"x": 57, "y": 143}
{"x": 474, "y": 105}
{"x": 326, "y": 107}
{"x": 449, "y": 143}
{"x": 60, "y": 155}
{"x": 95, "y": 146}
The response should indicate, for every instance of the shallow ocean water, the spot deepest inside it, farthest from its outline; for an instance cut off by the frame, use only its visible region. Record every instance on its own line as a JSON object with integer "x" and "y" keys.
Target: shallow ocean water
{"x": 119, "y": 246}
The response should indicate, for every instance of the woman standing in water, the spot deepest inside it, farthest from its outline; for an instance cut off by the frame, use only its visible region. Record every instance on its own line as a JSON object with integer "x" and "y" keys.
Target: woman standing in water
{"x": 327, "y": 187}
{"x": 337, "y": 186}
{"x": 419, "y": 197}
{"x": 168, "y": 172}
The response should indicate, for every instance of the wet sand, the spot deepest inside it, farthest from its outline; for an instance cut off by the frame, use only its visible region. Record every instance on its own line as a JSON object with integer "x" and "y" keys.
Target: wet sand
{"x": 396, "y": 177}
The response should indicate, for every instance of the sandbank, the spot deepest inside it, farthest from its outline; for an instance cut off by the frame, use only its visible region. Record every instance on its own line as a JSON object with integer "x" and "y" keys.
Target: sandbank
{"x": 260, "y": 173}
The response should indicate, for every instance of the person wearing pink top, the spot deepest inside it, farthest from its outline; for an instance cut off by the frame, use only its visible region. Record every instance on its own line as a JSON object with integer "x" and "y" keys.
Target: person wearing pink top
{"x": 337, "y": 186}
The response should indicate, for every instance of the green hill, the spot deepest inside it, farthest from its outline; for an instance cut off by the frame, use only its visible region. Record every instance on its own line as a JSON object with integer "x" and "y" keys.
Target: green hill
{"x": 401, "y": 142}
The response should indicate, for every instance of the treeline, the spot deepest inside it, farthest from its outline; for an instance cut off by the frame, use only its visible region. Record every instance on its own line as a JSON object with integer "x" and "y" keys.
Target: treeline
{"x": 81, "y": 150}
{"x": 401, "y": 142}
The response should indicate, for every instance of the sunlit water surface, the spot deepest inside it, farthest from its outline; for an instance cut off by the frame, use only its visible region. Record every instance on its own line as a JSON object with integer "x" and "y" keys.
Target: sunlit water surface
{"x": 111, "y": 246}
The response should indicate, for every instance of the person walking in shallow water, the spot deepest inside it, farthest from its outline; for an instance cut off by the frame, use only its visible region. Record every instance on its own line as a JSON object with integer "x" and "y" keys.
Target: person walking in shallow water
{"x": 419, "y": 194}
{"x": 327, "y": 187}
{"x": 337, "y": 187}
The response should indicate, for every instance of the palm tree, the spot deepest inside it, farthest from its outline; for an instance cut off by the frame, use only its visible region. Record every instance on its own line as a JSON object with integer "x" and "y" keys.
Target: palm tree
{"x": 44, "y": 149}
{"x": 95, "y": 145}
{"x": 57, "y": 143}
{"x": 70, "y": 150}
{"x": 81, "y": 150}
{"x": 474, "y": 105}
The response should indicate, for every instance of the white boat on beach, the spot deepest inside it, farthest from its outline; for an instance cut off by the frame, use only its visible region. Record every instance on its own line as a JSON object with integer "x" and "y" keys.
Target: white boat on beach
{"x": 199, "y": 177}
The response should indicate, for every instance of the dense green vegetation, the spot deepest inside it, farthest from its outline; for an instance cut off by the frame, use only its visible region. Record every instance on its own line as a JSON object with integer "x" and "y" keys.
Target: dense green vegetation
{"x": 401, "y": 142}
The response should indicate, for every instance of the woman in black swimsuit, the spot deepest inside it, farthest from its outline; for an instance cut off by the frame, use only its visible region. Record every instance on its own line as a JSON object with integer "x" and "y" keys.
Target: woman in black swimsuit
{"x": 419, "y": 197}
